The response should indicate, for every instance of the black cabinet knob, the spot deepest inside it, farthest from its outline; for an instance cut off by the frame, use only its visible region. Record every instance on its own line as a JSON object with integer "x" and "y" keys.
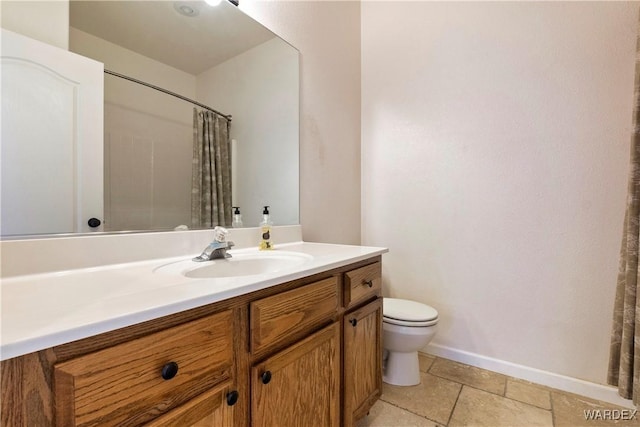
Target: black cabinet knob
{"x": 265, "y": 377}
{"x": 353, "y": 321}
{"x": 232, "y": 397}
{"x": 169, "y": 370}
{"x": 94, "y": 222}
{"x": 368, "y": 283}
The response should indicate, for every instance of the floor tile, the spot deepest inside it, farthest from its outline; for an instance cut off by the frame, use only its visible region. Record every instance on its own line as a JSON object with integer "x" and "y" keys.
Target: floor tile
{"x": 425, "y": 361}
{"x": 527, "y": 392}
{"x": 455, "y": 394}
{"x": 469, "y": 375}
{"x": 384, "y": 414}
{"x": 480, "y": 408}
{"x": 433, "y": 398}
{"x": 573, "y": 410}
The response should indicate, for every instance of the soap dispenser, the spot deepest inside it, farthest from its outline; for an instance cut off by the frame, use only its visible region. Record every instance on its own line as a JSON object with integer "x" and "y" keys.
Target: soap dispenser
{"x": 237, "y": 218}
{"x": 265, "y": 230}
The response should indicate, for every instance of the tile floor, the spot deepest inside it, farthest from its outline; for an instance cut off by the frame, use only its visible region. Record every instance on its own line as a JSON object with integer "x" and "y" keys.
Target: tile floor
{"x": 454, "y": 394}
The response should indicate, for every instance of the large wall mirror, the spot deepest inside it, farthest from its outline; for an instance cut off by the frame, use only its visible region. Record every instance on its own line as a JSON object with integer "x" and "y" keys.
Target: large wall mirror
{"x": 216, "y": 56}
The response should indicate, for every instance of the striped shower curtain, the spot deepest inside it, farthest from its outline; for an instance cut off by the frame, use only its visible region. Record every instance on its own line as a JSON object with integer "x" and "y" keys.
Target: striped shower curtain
{"x": 211, "y": 171}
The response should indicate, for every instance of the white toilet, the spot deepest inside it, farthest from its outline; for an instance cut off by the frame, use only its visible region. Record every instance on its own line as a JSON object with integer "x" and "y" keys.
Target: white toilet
{"x": 407, "y": 326}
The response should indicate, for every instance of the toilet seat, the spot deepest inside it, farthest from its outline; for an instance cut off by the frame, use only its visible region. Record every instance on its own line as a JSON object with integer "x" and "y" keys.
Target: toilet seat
{"x": 403, "y": 312}
{"x": 406, "y": 323}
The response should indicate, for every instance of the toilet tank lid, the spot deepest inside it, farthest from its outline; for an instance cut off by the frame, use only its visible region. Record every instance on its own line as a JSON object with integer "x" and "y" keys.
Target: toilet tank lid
{"x": 412, "y": 311}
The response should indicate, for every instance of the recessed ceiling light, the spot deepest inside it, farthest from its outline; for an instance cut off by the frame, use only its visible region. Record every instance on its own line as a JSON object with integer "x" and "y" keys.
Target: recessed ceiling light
{"x": 186, "y": 9}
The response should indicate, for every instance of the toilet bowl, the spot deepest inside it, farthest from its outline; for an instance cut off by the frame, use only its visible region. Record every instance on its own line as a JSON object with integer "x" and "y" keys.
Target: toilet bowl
{"x": 407, "y": 326}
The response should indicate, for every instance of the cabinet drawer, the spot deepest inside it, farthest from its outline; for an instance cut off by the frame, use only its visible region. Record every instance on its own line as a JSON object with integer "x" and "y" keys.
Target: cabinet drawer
{"x": 123, "y": 385}
{"x": 362, "y": 283}
{"x": 288, "y": 315}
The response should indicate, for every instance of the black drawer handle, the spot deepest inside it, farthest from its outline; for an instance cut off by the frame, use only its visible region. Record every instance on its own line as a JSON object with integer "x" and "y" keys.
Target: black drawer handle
{"x": 266, "y": 377}
{"x": 169, "y": 370}
{"x": 94, "y": 222}
{"x": 353, "y": 322}
{"x": 368, "y": 283}
{"x": 232, "y": 397}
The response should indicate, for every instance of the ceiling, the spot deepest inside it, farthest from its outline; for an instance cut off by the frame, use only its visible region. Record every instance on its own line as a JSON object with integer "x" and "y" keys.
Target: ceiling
{"x": 155, "y": 29}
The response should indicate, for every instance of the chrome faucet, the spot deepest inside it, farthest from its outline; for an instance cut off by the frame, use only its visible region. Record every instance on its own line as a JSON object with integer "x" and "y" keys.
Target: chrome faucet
{"x": 218, "y": 248}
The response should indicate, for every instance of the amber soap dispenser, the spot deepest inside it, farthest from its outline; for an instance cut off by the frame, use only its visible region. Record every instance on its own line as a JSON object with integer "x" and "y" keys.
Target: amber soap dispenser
{"x": 265, "y": 231}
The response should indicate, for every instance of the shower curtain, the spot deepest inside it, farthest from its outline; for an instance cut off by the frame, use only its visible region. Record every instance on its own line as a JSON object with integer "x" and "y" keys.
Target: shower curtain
{"x": 624, "y": 356}
{"x": 211, "y": 171}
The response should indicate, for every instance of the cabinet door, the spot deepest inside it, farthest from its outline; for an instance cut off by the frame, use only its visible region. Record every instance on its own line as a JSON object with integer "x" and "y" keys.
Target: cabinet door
{"x": 299, "y": 386}
{"x": 362, "y": 360}
{"x": 214, "y": 408}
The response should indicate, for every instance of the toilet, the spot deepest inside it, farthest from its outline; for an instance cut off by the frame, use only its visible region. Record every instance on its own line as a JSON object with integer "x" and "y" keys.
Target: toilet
{"x": 407, "y": 326}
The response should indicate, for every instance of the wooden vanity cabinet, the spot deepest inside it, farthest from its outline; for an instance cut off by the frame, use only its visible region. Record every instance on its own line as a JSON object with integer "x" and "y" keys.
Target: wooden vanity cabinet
{"x": 299, "y": 386}
{"x": 305, "y": 352}
{"x": 362, "y": 341}
{"x": 362, "y": 360}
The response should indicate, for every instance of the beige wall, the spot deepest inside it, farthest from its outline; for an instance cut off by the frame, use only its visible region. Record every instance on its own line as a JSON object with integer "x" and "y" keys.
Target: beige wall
{"x": 328, "y": 37}
{"x": 47, "y": 21}
{"x": 495, "y": 150}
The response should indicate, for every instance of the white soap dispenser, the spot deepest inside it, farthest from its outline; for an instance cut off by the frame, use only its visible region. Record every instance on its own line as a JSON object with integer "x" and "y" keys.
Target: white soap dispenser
{"x": 237, "y": 218}
{"x": 265, "y": 231}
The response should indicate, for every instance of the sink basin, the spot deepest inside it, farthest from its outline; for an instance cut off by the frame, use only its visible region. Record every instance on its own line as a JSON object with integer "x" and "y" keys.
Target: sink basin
{"x": 240, "y": 264}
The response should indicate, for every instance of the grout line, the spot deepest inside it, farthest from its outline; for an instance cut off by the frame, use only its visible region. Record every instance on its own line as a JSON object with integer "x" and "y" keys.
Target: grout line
{"x": 553, "y": 413}
{"x": 453, "y": 408}
{"x": 411, "y": 412}
{"x": 504, "y": 391}
{"x": 504, "y": 395}
{"x": 471, "y": 385}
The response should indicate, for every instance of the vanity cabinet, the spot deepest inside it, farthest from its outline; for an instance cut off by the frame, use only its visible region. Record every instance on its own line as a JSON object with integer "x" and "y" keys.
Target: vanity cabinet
{"x": 362, "y": 337}
{"x": 362, "y": 360}
{"x": 299, "y": 386}
{"x": 304, "y": 352}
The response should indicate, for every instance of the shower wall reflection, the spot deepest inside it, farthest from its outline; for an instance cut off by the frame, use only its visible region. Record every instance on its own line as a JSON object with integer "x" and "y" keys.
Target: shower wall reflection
{"x": 148, "y": 135}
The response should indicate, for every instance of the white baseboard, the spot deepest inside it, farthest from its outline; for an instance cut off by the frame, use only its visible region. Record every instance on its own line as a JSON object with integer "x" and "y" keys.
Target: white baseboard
{"x": 561, "y": 382}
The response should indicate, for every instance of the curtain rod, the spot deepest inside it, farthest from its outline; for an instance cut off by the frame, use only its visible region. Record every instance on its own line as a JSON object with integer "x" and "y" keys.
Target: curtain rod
{"x": 168, "y": 92}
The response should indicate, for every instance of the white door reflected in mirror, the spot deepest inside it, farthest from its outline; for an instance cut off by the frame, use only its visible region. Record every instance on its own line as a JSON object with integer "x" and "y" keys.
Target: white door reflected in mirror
{"x": 51, "y": 160}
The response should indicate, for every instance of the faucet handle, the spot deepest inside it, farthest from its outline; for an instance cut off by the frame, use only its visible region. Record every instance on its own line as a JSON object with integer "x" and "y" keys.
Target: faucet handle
{"x": 220, "y": 234}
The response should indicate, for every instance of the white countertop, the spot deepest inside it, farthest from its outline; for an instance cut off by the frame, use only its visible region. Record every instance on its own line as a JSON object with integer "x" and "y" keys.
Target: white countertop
{"x": 44, "y": 310}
